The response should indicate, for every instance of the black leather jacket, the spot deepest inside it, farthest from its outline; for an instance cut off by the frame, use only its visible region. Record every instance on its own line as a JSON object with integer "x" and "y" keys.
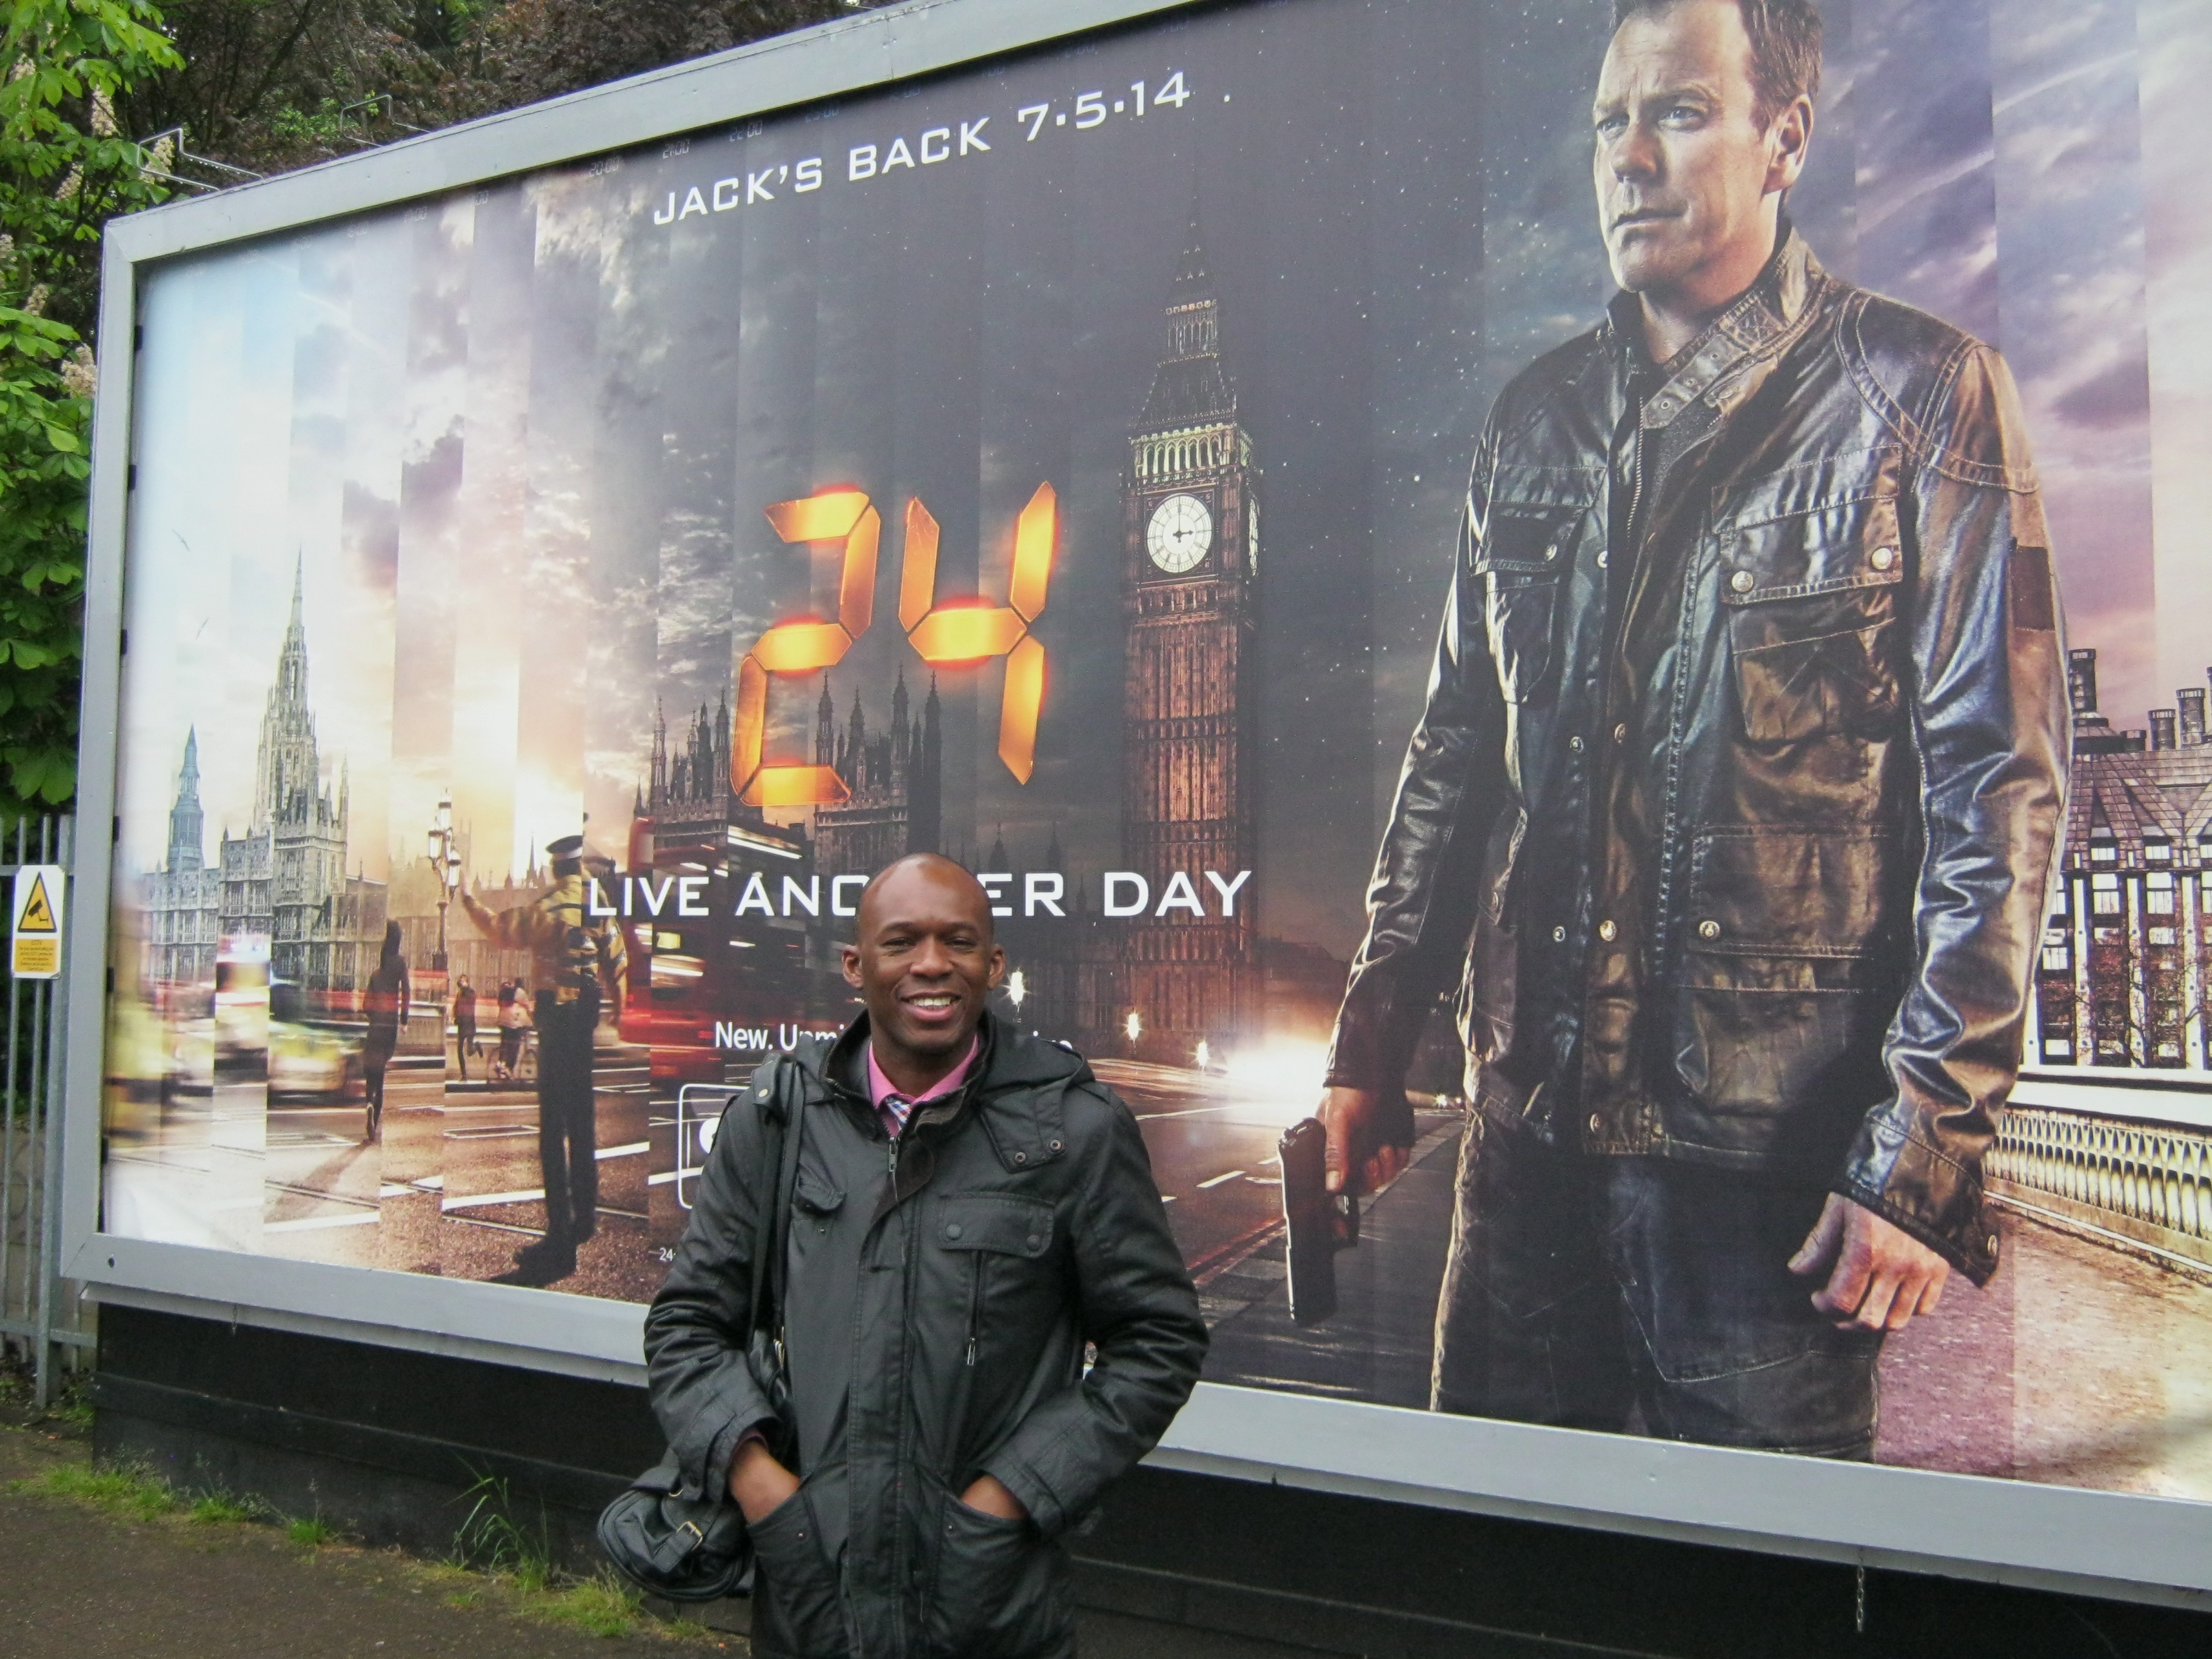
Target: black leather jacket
{"x": 1733, "y": 803}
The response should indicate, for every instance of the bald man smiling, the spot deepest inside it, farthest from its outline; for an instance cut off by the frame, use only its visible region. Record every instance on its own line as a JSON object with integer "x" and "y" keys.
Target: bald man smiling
{"x": 971, "y": 1208}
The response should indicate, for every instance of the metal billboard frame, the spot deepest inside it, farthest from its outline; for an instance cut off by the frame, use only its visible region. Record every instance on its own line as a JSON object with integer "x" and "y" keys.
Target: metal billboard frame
{"x": 2008, "y": 1531}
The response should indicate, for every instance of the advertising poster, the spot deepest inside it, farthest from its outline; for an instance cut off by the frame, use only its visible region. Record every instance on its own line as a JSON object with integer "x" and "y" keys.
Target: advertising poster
{"x": 1064, "y": 466}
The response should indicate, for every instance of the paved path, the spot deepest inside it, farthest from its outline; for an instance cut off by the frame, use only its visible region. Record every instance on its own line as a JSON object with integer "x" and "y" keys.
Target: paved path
{"x": 2081, "y": 1365}
{"x": 84, "y": 1584}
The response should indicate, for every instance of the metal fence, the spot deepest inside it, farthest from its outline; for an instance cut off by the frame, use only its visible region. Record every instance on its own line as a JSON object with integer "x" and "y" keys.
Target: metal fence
{"x": 40, "y": 1317}
{"x": 2149, "y": 1183}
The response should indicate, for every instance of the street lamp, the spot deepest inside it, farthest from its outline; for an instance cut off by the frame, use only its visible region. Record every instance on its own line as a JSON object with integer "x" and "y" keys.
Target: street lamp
{"x": 446, "y": 865}
{"x": 1018, "y": 989}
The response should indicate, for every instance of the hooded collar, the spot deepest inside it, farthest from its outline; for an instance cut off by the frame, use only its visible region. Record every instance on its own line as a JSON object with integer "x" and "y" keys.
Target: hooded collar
{"x": 1763, "y": 315}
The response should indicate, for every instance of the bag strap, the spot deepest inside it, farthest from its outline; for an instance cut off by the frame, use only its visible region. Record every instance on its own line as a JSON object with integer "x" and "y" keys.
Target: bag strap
{"x": 771, "y": 1233}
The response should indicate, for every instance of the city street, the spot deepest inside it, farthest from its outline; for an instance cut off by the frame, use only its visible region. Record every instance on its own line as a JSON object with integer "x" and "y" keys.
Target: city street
{"x": 2081, "y": 1362}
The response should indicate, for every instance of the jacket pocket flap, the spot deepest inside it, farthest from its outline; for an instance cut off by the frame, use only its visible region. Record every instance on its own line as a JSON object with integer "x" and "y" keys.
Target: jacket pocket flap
{"x": 989, "y": 1221}
{"x": 814, "y": 1193}
{"x": 1788, "y": 892}
{"x": 1529, "y": 540}
{"x": 1830, "y": 550}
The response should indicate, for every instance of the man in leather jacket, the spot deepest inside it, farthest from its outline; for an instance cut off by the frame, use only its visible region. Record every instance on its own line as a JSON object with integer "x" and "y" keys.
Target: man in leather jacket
{"x": 1731, "y": 807}
{"x": 971, "y": 1208}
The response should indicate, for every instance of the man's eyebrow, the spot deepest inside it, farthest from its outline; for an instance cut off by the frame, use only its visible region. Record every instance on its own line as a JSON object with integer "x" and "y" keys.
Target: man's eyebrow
{"x": 1662, "y": 95}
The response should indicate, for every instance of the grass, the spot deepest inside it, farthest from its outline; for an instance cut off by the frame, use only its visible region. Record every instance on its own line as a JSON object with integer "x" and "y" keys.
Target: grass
{"x": 222, "y": 1508}
{"x": 599, "y": 1606}
{"x": 311, "y": 1532}
{"x": 129, "y": 1493}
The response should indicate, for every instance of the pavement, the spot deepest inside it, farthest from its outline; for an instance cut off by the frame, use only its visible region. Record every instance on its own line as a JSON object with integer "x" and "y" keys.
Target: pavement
{"x": 85, "y": 1582}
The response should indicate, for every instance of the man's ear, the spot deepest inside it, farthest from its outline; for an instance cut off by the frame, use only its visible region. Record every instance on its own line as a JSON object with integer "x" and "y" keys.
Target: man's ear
{"x": 998, "y": 965}
{"x": 848, "y": 956}
{"x": 1789, "y": 140}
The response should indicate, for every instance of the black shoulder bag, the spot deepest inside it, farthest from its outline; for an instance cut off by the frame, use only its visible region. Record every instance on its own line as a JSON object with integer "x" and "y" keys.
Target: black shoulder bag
{"x": 695, "y": 1548}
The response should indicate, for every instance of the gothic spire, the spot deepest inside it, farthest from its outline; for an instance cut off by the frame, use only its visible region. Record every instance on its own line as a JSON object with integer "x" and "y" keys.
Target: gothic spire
{"x": 187, "y": 826}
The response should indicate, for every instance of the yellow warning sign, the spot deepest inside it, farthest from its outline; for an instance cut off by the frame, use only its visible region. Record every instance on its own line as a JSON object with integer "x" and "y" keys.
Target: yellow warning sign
{"x": 37, "y": 922}
{"x": 37, "y": 915}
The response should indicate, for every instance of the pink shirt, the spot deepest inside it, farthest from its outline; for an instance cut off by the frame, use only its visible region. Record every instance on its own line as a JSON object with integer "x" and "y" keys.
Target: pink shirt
{"x": 893, "y": 1107}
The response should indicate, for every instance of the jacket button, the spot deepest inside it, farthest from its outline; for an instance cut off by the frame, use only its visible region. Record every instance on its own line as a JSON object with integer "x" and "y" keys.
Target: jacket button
{"x": 1620, "y": 732}
{"x": 952, "y": 1230}
{"x": 1021, "y": 1158}
{"x": 1743, "y": 582}
{"x": 1709, "y": 930}
{"x": 1607, "y": 931}
{"x": 1994, "y": 1242}
{"x": 1597, "y": 1124}
{"x": 1551, "y": 552}
{"x": 1604, "y": 558}
{"x": 1034, "y": 1242}
{"x": 1056, "y": 1146}
{"x": 1559, "y": 936}
{"x": 1574, "y": 744}
{"x": 1883, "y": 557}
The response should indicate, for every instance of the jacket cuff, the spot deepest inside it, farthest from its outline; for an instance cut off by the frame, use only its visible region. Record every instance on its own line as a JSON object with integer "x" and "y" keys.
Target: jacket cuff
{"x": 1368, "y": 1049}
{"x": 722, "y": 1452}
{"x": 1039, "y": 1499}
{"x": 1900, "y": 1177}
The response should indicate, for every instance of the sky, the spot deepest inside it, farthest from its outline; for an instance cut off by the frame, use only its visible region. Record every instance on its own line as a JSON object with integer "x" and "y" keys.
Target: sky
{"x": 520, "y": 441}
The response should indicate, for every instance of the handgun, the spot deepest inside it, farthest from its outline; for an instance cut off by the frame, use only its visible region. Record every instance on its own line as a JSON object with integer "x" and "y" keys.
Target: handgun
{"x": 1320, "y": 1222}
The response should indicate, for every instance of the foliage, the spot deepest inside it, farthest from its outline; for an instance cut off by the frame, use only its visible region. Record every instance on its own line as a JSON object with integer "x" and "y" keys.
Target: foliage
{"x": 311, "y": 1532}
{"x": 64, "y": 172}
{"x": 538, "y": 49}
{"x": 273, "y": 84}
{"x": 45, "y": 433}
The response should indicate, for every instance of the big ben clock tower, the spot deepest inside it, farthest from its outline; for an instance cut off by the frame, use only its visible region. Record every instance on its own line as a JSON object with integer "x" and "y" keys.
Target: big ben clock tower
{"x": 1189, "y": 761}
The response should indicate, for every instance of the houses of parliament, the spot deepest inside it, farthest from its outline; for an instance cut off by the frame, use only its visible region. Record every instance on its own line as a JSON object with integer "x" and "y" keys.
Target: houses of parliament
{"x": 284, "y": 880}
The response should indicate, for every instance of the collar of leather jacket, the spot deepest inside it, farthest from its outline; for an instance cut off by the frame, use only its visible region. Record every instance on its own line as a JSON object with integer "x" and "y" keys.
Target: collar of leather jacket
{"x": 1016, "y": 1091}
{"x": 1751, "y": 330}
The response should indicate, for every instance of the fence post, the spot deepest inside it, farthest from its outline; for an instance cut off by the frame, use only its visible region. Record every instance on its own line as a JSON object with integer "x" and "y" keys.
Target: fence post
{"x": 57, "y": 1047}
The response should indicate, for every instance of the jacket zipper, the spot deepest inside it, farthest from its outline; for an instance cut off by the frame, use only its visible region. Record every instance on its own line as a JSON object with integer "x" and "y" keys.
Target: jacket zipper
{"x": 975, "y": 1306}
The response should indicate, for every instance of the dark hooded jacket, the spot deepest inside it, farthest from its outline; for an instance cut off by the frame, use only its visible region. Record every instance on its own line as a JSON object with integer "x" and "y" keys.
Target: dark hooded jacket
{"x": 1732, "y": 807}
{"x": 942, "y": 1289}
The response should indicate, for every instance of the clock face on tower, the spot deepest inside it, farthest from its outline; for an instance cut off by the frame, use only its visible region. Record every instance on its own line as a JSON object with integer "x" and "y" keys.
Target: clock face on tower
{"x": 1180, "y": 533}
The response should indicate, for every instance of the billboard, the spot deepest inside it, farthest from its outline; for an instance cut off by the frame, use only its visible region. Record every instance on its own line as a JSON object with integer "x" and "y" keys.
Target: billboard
{"x": 1060, "y": 462}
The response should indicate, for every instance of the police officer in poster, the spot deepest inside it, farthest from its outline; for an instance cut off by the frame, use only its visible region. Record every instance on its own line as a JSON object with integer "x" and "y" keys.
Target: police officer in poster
{"x": 1731, "y": 808}
{"x": 579, "y": 961}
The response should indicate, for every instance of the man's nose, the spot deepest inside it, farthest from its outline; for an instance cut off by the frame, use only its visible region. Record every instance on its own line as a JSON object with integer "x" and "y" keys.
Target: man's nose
{"x": 1633, "y": 156}
{"x": 932, "y": 960}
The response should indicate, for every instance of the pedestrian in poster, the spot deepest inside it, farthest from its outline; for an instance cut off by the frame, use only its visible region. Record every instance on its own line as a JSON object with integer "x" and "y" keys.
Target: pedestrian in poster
{"x": 580, "y": 960}
{"x": 386, "y": 1005}
{"x": 513, "y": 1023}
{"x": 1731, "y": 805}
{"x": 943, "y": 1432}
{"x": 465, "y": 1026}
